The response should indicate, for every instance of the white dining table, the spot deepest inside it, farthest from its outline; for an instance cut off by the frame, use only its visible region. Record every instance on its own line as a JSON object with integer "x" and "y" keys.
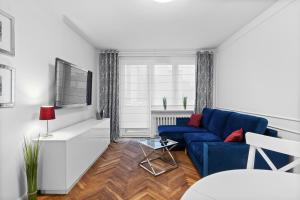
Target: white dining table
{"x": 248, "y": 184}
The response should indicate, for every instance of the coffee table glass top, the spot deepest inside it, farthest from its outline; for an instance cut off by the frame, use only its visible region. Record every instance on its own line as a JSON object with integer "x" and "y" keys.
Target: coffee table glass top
{"x": 154, "y": 143}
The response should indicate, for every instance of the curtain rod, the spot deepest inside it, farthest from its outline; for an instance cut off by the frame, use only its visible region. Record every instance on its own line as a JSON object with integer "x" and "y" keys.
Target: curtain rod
{"x": 122, "y": 54}
{"x": 159, "y": 52}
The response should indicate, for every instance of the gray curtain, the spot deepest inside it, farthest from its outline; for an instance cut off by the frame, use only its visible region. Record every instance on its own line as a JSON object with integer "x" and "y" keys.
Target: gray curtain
{"x": 109, "y": 89}
{"x": 204, "y": 80}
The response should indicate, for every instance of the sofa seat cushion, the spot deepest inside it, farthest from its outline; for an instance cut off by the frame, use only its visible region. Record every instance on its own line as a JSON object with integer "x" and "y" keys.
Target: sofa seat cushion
{"x": 170, "y": 129}
{"x": 201, "y": 137}
{"x": 175, "y": 133}
{"x": 247, "y": 122}
{"x": 218, "y": 121}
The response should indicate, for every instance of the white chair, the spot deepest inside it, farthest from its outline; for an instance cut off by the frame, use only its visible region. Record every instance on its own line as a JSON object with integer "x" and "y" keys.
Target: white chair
{"x": 257, "y": 142}
{"x": 249, "y": 184}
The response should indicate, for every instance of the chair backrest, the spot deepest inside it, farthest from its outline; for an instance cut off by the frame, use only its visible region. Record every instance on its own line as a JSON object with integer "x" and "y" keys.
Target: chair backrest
{"x": 257, "y": 142}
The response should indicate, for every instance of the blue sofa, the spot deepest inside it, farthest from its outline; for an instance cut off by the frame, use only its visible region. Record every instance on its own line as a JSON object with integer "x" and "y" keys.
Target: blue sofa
{"x": 206, "y": 147}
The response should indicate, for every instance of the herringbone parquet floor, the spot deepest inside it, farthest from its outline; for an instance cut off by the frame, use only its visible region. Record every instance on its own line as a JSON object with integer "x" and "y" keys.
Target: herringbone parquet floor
{"x": 117, "y": 176}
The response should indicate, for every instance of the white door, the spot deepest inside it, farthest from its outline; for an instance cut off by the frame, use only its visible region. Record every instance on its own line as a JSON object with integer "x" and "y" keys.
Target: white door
{"x": 134, "y": 100}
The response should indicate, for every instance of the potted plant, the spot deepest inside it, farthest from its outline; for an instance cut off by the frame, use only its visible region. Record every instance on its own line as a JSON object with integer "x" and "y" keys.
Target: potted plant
{"x": 31, "y": 156}
{"x": 184, "y": 101}
{"x": 165, "y": 102}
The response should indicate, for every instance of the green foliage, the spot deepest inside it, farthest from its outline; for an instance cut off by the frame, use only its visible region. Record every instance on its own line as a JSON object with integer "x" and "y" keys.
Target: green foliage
{"x": 184, "y": 101}
{"x": 31, "y": 156}
{"x": 165, "y": 102}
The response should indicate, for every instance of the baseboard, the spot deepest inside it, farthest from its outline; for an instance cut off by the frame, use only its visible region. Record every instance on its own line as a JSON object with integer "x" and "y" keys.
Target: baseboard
{"x": 59, "y": 192}
{"x": 23, "y": 197}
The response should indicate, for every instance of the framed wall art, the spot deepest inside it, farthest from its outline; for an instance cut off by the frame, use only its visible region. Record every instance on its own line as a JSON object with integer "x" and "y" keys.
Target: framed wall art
{"x": 7, "y": 34}
{"x": 7, "y": 86}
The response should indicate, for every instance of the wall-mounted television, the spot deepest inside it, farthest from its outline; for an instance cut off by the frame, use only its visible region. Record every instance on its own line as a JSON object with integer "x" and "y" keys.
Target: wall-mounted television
{"x": 73, "y": 86}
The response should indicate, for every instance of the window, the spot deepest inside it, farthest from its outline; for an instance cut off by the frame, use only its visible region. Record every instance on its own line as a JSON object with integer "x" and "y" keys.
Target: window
{"x": 173, "y": 82}
{"x": 144, "y": 81}
{"x": 162, "y": 84}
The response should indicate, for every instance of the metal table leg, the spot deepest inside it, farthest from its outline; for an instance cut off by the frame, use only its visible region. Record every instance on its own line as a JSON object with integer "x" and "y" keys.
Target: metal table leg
{"x": 147, "y": 159}
{"x": 146, "y": 156}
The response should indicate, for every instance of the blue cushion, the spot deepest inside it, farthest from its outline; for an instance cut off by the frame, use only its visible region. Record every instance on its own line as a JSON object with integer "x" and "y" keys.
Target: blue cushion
{"x": 179, "y": 129}
{"x": 218, "y": 121}
{"x": 247, "y": 122}
{"x": 201, "y": 137}
{"x": 206, "y": 115}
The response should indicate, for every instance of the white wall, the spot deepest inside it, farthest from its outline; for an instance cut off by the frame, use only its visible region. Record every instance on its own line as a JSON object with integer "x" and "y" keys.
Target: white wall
{"x": 40, "y": 37}
{"x": 258, "y": 68}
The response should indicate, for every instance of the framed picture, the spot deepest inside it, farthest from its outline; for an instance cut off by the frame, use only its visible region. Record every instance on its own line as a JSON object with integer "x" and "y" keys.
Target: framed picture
{"x": 7, "y": 86}
{"x": 7, "y": 34}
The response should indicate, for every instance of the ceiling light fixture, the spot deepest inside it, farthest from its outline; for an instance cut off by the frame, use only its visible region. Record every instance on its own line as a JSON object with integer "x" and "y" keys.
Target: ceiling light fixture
{"x": 163, "y": 1}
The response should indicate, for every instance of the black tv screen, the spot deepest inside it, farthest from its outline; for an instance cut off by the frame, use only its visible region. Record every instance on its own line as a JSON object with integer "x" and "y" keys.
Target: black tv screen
{"x": 73, "y": 85}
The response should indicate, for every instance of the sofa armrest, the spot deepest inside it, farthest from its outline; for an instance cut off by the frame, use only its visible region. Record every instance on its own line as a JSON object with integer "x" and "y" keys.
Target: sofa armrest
{"x": 182, "y": 121}
{"x": 271, "y": 132}
{"x": 221, "y": 156}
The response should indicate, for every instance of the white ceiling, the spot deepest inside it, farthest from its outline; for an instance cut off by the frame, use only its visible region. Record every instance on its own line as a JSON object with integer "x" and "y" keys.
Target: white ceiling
{"x": 146, "y": 24}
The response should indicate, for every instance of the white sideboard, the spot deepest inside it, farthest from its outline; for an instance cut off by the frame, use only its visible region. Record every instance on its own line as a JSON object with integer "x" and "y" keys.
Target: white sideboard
{"x": 69, "y": 153}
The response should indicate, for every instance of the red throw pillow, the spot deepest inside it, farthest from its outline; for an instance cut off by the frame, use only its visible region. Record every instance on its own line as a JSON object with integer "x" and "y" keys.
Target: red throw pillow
{"x": 235, "y": 136}
{"x": 195, "y": 120}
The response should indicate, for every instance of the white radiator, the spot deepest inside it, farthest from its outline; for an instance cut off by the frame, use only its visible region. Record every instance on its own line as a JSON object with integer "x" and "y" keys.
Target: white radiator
{"x": 166, "y": 117}
{"x": 165, "y": 120}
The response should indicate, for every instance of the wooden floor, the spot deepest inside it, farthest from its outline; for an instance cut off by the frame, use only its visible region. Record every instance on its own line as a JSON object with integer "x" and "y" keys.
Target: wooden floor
{"x": 116, "y": 175}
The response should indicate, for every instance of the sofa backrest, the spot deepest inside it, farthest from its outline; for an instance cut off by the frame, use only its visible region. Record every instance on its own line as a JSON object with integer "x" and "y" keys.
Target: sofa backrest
{"x": 248, "y": 123}
{"x": 218, "y": 121}
{"x": 223, "y": 123}
{"x": 182, "y": 121}
{"x": 206, "y": 115}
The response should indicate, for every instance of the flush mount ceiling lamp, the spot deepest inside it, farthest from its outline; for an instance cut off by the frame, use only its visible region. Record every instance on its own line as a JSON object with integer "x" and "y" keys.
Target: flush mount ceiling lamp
{"x": 162, "y": 1}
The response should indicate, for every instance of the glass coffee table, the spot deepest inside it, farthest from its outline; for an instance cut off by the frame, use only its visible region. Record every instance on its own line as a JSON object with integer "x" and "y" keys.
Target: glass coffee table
{"x": 154, "y": 150}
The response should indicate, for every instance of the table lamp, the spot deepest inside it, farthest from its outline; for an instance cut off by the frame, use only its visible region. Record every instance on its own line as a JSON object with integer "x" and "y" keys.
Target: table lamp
{"x": 47, "y": 113}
